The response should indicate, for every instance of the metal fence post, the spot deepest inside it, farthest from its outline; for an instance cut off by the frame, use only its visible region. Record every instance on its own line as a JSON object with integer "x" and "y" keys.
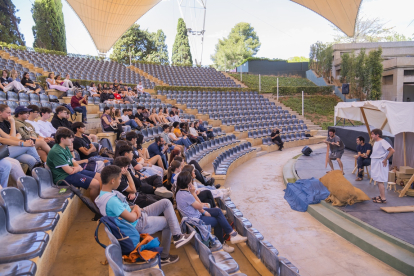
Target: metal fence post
{"x": 303, "y": 105}
{"x": 277, "y": 95}
{"x": 260, "y": 84}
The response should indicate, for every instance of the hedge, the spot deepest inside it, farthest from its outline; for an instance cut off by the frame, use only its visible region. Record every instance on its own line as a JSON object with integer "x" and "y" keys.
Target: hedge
{"x": 309, "y": 90}
{"x": 42, "y": 81}
{"x": 199, "y": 88}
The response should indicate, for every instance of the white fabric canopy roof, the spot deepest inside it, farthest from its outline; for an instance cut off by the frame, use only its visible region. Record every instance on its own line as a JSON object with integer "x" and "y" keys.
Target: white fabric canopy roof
{"x": 399, "y": 115}
{"x": 108, "y": 20}
{"x": 342, "y": 13}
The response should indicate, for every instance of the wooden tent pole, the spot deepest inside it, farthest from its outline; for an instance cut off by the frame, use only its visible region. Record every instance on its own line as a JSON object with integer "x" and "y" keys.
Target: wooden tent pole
{"x": 385, "y": 122}
{"x": 405, "y": 156}
{"x": 366, "y": 121}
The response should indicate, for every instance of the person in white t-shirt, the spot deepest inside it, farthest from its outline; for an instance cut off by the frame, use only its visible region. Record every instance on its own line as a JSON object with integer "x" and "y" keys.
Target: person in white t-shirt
{"x": 33, "y": 115}
{"x": 140, "y": 89}
{"x": 46, "y": 128}
{"x": 128, "y": 121}
{"x": 381, "y": 153}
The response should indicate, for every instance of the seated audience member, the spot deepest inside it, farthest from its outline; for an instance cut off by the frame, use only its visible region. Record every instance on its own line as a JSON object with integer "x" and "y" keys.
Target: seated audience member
{"x": 141, "y": 118}
{"x": 160, "y": 116}
{"x": 275, "y": 135}
{"x": 143, "y": 153}
{"x": 364, "y": 156}
{"x": 115, "y": 85}
{"x": 173, "y": 117}
{"x": 53, "y": 84}
{"x": 76, "y": 102}
{"x": 23, "y": 151}
{"x": 140, "y": 89}
{"x": 63, "y": 166}
{"x": 28, "y": 83}
{"x": 99, "y": 88}
{"x": 107, "y": 96}
{"x": 177, "y": 130}
{"x": 127, "y": 120}
{"x": 27, "y": 132}
{"x": 191, "y": 206}
{"x": 158, "y": 148}
{"x": 149, "y": 117}
{"x": 67, "y": 82}
{"x": 111, "y": 203}
{"x": 173, "y": 171}
{"x": 9, "y": 167}
{"x": 16, "y": 82}
{"x": 201, "y": 128}
{"x": 7, "y": 84}
{"x": 194, "y": 133}
{"x": 33, "y": 115}
{"x": 183, "y": 141}
{"x": 168, "y": 142}
{"x": 200, "y": 174}
{"x": 93, "y": 90}
{"x": 84, "y": 146}
{"x": 92, "y": 165}
{"x": 109, "y": 125}
{"x": 59, "y": 80}
{"x": 152, "y": 191}
{"x": 118, "y": 118}
{"x": 46, "y": 128}
{"x": 60, "y": 119}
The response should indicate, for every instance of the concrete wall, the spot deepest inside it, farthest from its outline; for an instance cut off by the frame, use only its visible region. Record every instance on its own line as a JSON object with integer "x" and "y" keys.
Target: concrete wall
{"x": 277, "y": 68}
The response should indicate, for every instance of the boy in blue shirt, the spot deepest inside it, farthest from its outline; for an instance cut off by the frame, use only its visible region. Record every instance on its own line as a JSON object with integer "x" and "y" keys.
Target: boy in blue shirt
{"x": 111, "y": 203}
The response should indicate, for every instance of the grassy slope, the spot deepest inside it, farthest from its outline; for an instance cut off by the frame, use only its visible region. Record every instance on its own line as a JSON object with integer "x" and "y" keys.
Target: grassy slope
{"x": 318, "y": 109}
{"x": 268, "y": 82}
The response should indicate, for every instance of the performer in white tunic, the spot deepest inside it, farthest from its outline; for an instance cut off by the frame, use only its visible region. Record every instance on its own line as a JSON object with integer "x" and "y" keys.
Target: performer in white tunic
{"x": 381, "y": 152}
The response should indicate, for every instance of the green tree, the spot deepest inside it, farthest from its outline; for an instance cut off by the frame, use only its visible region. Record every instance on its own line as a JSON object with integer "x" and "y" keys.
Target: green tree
{"x": 241, "y": 43}
{"x": 321, "y": 58}
{"x": 181, "y": 53}
{"x": 9, "y": 24}
{"x": 298, "y": 59}
{"x": 160, "y": 55}
{"x": 49, "y": 29}
{"x": 375, "y": 74}
{"x": 397, "y": 37}
{"x": 135, "y": 41}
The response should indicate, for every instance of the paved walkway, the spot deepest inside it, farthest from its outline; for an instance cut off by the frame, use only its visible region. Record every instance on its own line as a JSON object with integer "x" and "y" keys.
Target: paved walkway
{"x": 257, "y": 190}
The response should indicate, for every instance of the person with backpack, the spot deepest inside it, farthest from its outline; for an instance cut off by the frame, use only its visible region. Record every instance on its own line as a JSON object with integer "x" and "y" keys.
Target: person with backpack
{"x": 112, "y": 203}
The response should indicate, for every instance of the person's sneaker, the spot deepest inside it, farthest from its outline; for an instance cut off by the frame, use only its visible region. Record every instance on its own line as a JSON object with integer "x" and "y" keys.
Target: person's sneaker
{"x": 210, "y": 182}
{"x": 205, "y": 173}
{"x": 169, "y": 260}
{"x": 236, "y": 238}
{"x": 162, "y": 191}
{"x": 227, "y": 248}
{"x": 184, "y": 238}
{"x": 217, "y": 186}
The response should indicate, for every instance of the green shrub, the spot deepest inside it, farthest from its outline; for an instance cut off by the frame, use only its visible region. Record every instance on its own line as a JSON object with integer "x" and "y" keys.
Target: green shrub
{"x": 198, "y": 88}
{"x": 268, "y": 82}
{"x": 308, "y": 90}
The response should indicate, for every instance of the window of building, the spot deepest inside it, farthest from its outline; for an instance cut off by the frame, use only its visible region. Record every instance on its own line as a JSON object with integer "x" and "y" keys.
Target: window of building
{"x": 386, "y": 80}
{"x": 408, "y": 72}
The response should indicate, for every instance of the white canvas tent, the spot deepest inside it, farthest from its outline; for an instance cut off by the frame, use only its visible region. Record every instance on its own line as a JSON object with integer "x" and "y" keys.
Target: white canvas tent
{"x": 395, "y": 117}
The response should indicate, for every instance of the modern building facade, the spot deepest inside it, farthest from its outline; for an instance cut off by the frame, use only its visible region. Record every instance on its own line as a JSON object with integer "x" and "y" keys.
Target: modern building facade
{"x": 398, "y": 74}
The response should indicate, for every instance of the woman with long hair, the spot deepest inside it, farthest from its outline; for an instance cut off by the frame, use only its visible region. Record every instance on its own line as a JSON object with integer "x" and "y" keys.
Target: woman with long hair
{"x": 15, "y": 81}
{"x": 27, "y": 82}
{"x": 191, "y": 206}
{"x": 117, "y": 118}
{"x": 109, "y": 124}
{"x": 53, "y": 84}
{"x": 173, "y": 170}
{"x": 143, "y": 152}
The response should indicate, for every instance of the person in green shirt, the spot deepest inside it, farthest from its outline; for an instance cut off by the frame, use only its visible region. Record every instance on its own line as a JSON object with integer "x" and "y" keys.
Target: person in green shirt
{"x": 64, "y": 167}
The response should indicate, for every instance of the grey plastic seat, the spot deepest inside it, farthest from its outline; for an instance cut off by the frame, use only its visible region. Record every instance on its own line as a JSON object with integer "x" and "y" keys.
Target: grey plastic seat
{"x": 113, "y": 254}
{"x": 45, "y": 181}
{"x": 19, "y": 246}
{"x": 221, "y": 258}
{"x": 18, "y": 220}
{"x": 33, "y": 203}
{"x": 287, "y": 268}
{"x": 269, "y": 257}
{"x": 241, "y": 223}
{"x": 129, "y": 267}
{"x": 26, "y": 267}
{"x": 216, "y": 270}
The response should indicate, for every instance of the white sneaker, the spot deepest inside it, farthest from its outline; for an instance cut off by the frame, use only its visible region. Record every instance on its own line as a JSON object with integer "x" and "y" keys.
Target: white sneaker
{"x": 227, "y": 248}
{"x": 237, "y": 239}
{"x": 162, "y": 191}
{"x": 205, "y": 173}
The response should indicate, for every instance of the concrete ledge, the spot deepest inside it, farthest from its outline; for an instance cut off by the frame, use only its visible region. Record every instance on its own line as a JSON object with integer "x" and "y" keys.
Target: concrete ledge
{"x": 57, "y": 236}
{"x": 209, "y": 158}
{"x": 241, "y": 134}
{"x": 203, "y": 117}
{"x": 191, "y": 111}
{"x": 57, "y": 93}
{"x": 161, "y": 97}
{"x": 181, "y": 106}
{"x": 214, "y": 123}
{"x": 254, "y": 141}
{"x": 227, "y": 129}
{"x": 390, "y": 250}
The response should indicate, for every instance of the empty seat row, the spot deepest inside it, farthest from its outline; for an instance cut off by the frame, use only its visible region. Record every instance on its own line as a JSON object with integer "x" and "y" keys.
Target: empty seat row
{"x": 13, "y": 104}
{"x": 224, "y": 160}
{"x": 286, "y": 138}
{"x": 197, "y": 152}
{"x": 285, "y": 126}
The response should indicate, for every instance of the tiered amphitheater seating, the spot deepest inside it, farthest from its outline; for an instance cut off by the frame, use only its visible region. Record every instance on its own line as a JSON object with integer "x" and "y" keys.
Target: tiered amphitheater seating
{"x": 224, "y": 160}
{"x": 187, "y": 76}
{"x": 80, "y": 67}
{"x": 197, "y": 152}
{"x": 13, "y": 100}
{"x": 10, "y": 64}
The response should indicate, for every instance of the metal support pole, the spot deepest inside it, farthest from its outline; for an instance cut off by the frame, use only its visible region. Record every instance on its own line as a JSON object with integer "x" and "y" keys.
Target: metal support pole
{"x": 277, "y": 95}
{"x": 241, "y": 70}
{"x": 303, "y": 105}
{"x": 260, "y": 84}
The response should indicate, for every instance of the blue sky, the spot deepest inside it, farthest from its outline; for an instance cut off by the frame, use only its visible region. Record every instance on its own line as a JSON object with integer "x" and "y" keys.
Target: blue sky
{"x": 285, "y": 29}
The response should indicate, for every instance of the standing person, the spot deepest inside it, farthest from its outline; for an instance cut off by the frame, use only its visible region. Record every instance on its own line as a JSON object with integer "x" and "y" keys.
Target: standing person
{"x": 111, "y": 203}
{"x": 276, "y": 138}
{"x": 364, "y": 156}
{"x": 337, "y": 148}
{"x": 108, "y": 124}
{"x": 64, "y": 167}
{"x": 381, "y": 153}
{"x": 76, "y": 101}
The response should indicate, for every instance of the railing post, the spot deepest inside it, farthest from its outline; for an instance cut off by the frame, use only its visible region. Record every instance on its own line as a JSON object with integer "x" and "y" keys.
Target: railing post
{"x": 260, "y": 84}
{"x": 303, "y": 105}
{"x": 277, "y": 95}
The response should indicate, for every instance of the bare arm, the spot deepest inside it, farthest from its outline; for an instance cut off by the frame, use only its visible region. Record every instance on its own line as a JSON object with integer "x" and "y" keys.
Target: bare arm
{"x": 129, "y": 216}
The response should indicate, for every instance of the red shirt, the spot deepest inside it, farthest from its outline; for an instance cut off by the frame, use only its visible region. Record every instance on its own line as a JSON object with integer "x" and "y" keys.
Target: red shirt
{"x": 117, "y": 96}
{"x": 75, "y": 102}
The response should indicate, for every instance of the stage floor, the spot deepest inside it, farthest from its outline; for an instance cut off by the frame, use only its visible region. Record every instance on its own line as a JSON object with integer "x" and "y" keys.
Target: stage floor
{"x": 399, "y": 225}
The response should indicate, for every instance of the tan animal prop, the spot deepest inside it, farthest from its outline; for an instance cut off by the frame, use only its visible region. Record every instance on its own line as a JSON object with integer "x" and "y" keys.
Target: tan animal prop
{"x": 342, "y": 191}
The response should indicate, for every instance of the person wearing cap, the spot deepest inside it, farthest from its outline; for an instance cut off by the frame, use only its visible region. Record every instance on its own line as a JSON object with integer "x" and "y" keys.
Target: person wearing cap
{"x": 27, "y": 132}
{"x": 76, "y": 101}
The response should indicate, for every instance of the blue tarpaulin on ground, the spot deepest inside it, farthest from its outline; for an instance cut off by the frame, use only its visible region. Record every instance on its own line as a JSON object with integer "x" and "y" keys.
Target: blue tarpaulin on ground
{"x": 304, "y": 192}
